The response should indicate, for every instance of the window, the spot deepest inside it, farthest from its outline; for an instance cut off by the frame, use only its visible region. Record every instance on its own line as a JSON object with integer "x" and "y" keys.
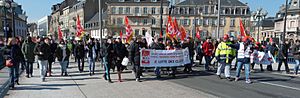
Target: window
{"x": 120, "y": 10}
{"x": 121, "y": 0}
{"x": 196, "y": 21}
{"x": 145, "y": 21}
{"x": 185, "y": 22}
{"x": 232, "y": 22}
{"x": 212, "y": 9}
{"x": 136, "y": 10}
{"x": 153, "y": 10}
{"x": 113, "y": 10}
{"x": 200, "y": 22}
{"x": 153, "y": 33}
{"x": 153, "y": 22}
{"x": 119, "y": 21}
{"x": 137, "y": 31}
{"x": 222, "y": 21}
{"x": 145, "y": 10}
{"x": 210, "y": 22}
{"x": 206, "y": 21}
{"x": 153, "y": 0}
{"x": 206, "y": 10}
{"x": 215, "y": 22}
{"x": 127, "y": 10}
{"x": 292, "y": 24}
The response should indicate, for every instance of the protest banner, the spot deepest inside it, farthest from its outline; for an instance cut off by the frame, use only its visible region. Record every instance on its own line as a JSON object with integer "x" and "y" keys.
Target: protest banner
{"x": 262, "y": 58}
{"x": 164, "y": 58}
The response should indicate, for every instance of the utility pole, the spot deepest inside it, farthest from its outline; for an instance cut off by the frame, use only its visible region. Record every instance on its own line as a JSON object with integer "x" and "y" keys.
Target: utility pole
{"x": 285, "y": 16}
{"x": 100, "y": 22}
{"x": 218, "y": 25}
{"x": 161, "y": 17}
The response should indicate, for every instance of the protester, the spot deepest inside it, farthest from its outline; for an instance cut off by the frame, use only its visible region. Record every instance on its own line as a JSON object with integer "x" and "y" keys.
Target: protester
{"x": 271, "y": 47}
{"x": 208, "y": 49}
{"x": 42, "y": 51}
{"x": 53, "y": 47}
{"x": 28, "y": 50}
{"x": 135, "y": 56}
{"x": 79, "y": 54}
{"x": 63, "y": 53}
{"x": 257, "y": 48}
{"x": 283, "y": 56}
{"x": 157, "y": 45}
{"x": 243, "y": 58}
{"x": 296, "y": 55}
{"x": 91, "y": 55}
{"x": 120, "y": 53}
{"x": 224, "y": 55}
{"x": 190, "y": 45}
{"x": 199, "y": 51}
{"x": 108, "y": 55}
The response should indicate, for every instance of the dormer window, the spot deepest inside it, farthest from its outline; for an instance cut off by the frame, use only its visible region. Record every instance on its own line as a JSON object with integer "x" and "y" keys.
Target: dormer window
{"x": 295, "y": 3}
{"x": 121, "y": 0}
{"x": 137, "y": 1}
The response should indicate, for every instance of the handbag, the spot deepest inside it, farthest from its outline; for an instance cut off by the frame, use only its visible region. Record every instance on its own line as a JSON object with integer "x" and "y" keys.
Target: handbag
{"x": 8, "y": 63}
{"x": 125, "y": 61}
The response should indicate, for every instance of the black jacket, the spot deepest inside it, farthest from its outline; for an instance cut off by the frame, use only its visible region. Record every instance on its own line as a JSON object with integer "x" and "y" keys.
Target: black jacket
{"x": 79, "y": 51}
{"x": 157, "y": 46}
{"x": 135, "y": 52}
{"x": 44, "y": 49}
{"x": 283, "y": 51}
{"x": 120, "y": 51}
{"x": 13, "y": 52}
{"x": 190, "y": 46}
{"x": 53, "y": 47}
{"x": 59, "y": 54}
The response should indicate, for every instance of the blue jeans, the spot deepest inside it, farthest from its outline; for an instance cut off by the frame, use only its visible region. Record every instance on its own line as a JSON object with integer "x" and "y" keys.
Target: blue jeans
{"x": 207, "y": 62}
{"x": 63, "y": 65}
{"x": 157, "y": 71}
{"x": 14, "y": 73}
{"x": 43, "y": 67}
{"x": 296, "y": 68}
{"x": 106, "y": 68}
{"x": 91, "y": 65}
{"x": 247, "y": 69}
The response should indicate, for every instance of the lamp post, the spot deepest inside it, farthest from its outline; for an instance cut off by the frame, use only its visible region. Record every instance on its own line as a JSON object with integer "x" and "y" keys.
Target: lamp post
{"x": 259, "y": 15}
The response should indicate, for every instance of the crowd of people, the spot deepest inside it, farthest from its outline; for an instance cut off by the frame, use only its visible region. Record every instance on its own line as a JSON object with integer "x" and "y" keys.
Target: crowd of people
{"x": 23, "y": 53}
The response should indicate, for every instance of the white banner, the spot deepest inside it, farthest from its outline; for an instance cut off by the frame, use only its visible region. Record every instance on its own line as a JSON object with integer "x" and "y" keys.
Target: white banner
{"x": 262, "y": 58}
{"x": 164, "y": 58}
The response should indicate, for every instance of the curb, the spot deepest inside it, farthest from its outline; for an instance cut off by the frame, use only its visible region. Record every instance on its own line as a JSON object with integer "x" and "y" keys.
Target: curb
{"x": 5, "y": 87}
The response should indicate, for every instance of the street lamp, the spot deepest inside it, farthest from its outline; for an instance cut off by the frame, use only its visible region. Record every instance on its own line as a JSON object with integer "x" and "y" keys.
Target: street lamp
{"x": 258, "y": 15}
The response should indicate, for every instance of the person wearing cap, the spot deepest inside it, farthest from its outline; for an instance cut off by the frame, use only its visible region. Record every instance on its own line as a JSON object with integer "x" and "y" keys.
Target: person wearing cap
{"x": 157, "y": 45}
{"x": 244, "y": 50}
{"x": 42, "y": 51}
{"x": 208, "y": 49}
{"x": 224, "y": 55}
{"x": 134, "y": 52}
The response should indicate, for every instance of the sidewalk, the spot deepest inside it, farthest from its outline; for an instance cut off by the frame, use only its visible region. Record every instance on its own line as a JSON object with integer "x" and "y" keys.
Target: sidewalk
{"x": 81, "y": 85}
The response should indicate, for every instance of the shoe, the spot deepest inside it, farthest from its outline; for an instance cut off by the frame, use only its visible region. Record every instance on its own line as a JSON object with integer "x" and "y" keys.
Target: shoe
{"x": 248, "y": 81}
{"x": 27, "y": 76}
{"x": 120, "y": 81}
{"x": 138, "y": 80}
{"x": 66, "y": 74}
{"x": 110, "y": 81}
{"x": 90, "y": 74}
{"x": 17, "y": 83}
{"x": 219, "y": 76}
{"x": 62, "y": 74}
{"x": 43, "y": 80}
{"x": 158, "y": 77}
{"x": 104, "y": 78}
{"x": 229, "y": 79}
{"x": 236, "y": 79}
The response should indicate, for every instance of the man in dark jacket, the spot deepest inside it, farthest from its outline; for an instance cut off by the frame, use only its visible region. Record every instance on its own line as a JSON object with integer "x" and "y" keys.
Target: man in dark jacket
{"x": 53, "y": 46}
{"x": 91, "y": 55}
{"x": 120, "y": 53}
{"x": 157, "y": 45}
{"x": 190, "y": 45}
{"x": 79, "y": 54}
{"x": 108, "y": 55}
{"x": 271, "y": 47}
{"x": 283, "y": 56}
{"x": 42, "y": 51}
{"x": 296, "y": 53}
{"x": 63, "y": 53}
{"x": 135, "y": 56}
{"x": 28, "y": 51}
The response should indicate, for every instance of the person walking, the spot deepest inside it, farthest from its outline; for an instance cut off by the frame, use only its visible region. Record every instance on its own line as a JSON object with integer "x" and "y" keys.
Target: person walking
{"x": 157, "y": 45}
{"x": 91, "y": 55}
{"x": 120, "y": 53}
{"x": 53, "y": 47}
{"x": 79, "y": 54}
{"x": 108, "y": 55}
{"x": 190, "y": 45}
{"x": 63, "y": 53}
{"x": 199, "y": 51}
{"x": 296, "y": 54}
{"x": 224, "y": 55}
{"x": 136, "y": 46}
{"x": 283, "y": 56}
{"x": 28, "y": 50}
{"x": 244, "y": 50}
{"x": 208, "y": 49}
{"x": 42, "y": 51}
{"x": 13, "y": 52}
{"x": 270, "y": 48}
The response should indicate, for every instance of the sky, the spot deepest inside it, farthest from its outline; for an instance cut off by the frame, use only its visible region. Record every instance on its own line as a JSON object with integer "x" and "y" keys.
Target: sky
{"x": 36, "y": 9}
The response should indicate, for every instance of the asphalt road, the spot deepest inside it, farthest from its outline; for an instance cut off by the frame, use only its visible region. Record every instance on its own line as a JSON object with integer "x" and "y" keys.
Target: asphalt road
{"x": 266, "y": 85}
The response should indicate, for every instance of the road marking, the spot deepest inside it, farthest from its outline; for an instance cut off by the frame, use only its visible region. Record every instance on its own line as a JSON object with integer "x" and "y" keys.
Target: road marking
{"x": 280, "y": 85}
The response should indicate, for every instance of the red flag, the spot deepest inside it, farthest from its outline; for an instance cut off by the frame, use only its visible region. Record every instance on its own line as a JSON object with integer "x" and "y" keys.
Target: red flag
{"x": 176, "y": 28}
{"x": 242, "y": 29}
{"x": 198, "y": 34}
{"x": 60, "y": 34}
{"x": 129, "y": 31}
{"x": 160, "y": 35}
{"x": 79, "y": 29}
{"x": 182, "y": 33}
{"x": 121, "y": 34}
{"x": 170, "y": 28}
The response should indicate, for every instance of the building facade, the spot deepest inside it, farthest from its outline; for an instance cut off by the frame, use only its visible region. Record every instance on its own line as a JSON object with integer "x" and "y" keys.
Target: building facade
{"x": 293, "y": 20}
{"x": 203, "y": 14}
{"x": 43, "y": 26}
{"x": 143, "y": 15}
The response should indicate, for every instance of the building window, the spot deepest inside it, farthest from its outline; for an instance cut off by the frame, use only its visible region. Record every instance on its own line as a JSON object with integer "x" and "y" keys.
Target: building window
{"x": 222, "y": 21}
{"x": 212, "y": 9}
{"x": 153, "y": 22}
{"x": 292, "y": 24}
{"x": 113, "y": 21}
{"x": 127, "y": 10}
{"x": 205, "y": 22}
{"x": 232, "y": 22}
{"x": 185, "y": 22}
{"x": 137, "y": 32}
{"x": 145, "y": 10}
{"x": 136, "y": 10}
{"x": 145, "y": 21}
{"x": 153, "y": 10}
{"x": 206, "y": 10}
{"x": 153, "y": 33}
{"x": 113, "y": 10}
{"x": 120, "y": 10}
{"x": 119, "y": 21}
{"x": 200, "y": 22}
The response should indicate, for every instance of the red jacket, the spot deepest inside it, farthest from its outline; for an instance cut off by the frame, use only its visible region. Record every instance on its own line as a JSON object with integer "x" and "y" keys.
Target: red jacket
{"x": 208, "y": 48}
